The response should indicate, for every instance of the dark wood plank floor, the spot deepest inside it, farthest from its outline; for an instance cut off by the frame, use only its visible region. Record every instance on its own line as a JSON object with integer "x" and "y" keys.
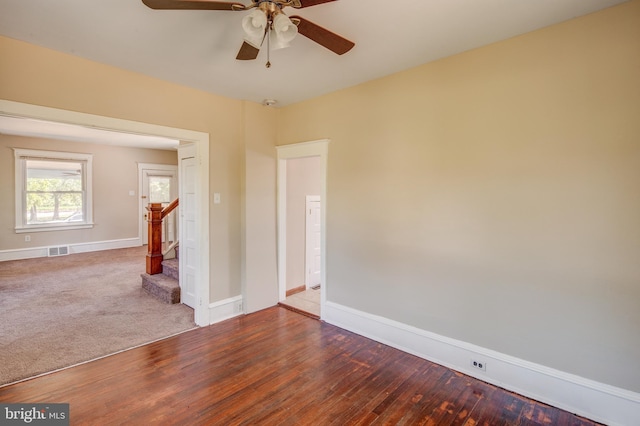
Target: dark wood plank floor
{"x": 277, "y": 367}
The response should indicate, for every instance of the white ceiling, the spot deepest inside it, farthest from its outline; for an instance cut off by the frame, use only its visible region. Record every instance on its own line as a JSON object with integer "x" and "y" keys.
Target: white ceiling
{"x": 198, "y": 48}
{"x": 45, "y": 129}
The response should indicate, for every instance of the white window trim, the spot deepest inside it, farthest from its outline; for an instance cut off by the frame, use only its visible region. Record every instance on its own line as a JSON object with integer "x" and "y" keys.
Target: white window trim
{"x": 20, "y": 155}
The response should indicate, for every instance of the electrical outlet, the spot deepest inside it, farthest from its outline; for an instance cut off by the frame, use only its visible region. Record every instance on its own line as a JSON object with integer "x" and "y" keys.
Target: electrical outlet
{"x": 27, "y": 238}
{"x": 238, "y": 307}
{"x": 478, "y": 365}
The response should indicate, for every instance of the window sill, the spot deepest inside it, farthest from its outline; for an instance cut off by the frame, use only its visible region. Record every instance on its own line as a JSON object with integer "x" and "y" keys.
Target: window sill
{"x": 46, "y": 228}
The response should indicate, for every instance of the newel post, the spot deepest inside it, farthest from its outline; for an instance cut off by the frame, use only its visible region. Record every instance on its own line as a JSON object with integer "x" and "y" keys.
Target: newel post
{"x": 154, "y": 255}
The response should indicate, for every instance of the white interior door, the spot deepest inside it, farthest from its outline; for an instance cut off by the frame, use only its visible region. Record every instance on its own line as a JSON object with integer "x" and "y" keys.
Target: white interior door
{"x": 188, "y": 237}
{"x": 313, "y": 250}
{"x": 158, "y": 184}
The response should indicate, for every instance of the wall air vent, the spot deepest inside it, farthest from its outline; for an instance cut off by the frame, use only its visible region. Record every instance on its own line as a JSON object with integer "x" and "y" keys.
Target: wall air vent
{"x": 58, "y": 251}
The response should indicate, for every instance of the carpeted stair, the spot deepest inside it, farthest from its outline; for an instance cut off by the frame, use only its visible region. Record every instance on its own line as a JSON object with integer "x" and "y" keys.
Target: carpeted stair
{"x": 164, "y": 286}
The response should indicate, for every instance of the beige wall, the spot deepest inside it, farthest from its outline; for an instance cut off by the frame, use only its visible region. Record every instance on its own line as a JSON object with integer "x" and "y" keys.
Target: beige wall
{"x": 303, "y": 178}
{"x": 34, "y": 75}
{"x": 115, "y": 173}
{"x": 259, "y": 270}
{"x": 494, "y": 196}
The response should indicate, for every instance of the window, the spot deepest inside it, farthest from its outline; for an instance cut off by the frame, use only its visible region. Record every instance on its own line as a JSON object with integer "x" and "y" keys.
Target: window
{"x": 160, "y": 189}
{"x": 53, "y": 190}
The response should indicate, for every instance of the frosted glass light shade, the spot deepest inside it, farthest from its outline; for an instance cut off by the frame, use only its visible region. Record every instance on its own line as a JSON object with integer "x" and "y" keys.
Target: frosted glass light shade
{"x": 283, "y": 31}
{"x": 254, "y": 26}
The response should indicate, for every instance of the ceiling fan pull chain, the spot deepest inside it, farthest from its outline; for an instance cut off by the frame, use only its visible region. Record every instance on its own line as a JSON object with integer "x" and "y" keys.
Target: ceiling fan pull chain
{"x": 268, "y": 64}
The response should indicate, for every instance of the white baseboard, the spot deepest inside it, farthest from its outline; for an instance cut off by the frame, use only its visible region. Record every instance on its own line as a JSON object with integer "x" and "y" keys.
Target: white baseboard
{"x": 35, "y": 252}
{"x": 225, "y": 309}
{"x": 594, "y": 400}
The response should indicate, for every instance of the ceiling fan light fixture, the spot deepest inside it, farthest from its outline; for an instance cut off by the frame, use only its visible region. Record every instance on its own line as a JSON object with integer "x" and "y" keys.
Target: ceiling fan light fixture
{"x": 254, "y": 26}
{"x": 267, "y": 21}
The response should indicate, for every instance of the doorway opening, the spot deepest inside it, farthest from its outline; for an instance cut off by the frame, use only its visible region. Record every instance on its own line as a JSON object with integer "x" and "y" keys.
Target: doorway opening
{"x": 301, "y": 230}
{"x": 158, "y": 183}
{"x": 201, "y": 180}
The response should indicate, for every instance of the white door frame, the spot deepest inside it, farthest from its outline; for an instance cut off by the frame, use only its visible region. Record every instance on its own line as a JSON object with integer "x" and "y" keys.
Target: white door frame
{"x": 308, "y": 247}
{"x": 186, "y": 151}
{"x": 320, "y": 149}
{"x": 201, "y": 140}
{"x": 164, "y": 169}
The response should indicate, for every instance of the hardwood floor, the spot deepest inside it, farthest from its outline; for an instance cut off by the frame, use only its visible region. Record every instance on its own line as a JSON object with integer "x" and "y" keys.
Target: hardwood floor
{"x": 277, "y": 367}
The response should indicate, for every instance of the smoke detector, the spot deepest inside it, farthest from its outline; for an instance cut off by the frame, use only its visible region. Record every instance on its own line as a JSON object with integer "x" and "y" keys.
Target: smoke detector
{"x": 269, "y": 102}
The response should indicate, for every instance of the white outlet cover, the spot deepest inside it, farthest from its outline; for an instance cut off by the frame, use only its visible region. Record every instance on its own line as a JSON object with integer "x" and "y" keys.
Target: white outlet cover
{"x": 479, "y": 365}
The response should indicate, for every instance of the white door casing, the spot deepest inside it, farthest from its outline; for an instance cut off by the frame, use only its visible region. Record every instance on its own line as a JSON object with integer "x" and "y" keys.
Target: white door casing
{"x": 313, "y": 246}
{"x": 320, "y": 149}
{"x": 188, "y": 237}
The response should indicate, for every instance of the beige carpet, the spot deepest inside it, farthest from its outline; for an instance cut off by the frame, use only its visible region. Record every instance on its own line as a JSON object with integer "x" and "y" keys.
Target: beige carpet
{"x": 60, "y": 311}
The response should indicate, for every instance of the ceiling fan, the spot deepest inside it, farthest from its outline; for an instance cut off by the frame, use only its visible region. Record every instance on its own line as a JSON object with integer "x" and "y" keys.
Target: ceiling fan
{"x": 266, "y": 22}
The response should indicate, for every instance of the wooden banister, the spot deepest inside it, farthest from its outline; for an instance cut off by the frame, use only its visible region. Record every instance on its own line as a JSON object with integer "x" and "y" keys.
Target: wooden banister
{"x": 172, "y": 205}
{"x": 154, "y": 220}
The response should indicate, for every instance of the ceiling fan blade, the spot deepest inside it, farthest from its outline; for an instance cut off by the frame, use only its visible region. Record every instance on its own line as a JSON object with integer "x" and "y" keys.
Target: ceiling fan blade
{"x": 322, "y": 36}
{"x": 193, "y": 5}
{"x": 247, "y": 52}
{"x": 299, "y": 4}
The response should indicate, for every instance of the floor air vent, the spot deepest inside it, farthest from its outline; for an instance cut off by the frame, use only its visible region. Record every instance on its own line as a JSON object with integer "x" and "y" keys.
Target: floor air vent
{"x": 58, "y": 251}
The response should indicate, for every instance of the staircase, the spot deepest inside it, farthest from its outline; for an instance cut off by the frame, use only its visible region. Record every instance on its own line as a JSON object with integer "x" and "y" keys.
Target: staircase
{"x": 161, "y": 277}
{"x": 164, "y": 286}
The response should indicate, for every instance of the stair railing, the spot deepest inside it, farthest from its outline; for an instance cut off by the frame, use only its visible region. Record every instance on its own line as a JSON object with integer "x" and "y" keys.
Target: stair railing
{"x": 157, "y": 220}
